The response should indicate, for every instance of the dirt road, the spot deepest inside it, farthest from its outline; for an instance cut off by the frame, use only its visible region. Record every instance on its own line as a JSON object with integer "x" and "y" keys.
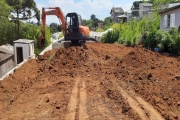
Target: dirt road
{"x": 102, "y": 82}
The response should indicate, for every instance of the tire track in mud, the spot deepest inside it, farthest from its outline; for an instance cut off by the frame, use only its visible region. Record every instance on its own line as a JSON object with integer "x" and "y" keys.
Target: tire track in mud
{"x": 77, "y": 104}
{"x": 72, "y": 106}
{"x": 141, "y": 107}
{"x": 82, "y": 106}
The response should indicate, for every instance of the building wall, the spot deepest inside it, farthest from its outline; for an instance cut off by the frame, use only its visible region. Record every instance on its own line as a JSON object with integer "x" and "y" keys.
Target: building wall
{"x": 177, "y": 19}
{"x": 114, "y": 16}
{"x": 100, "y": 25}
{"x": 143, "y": 10}
{"x": 6, "y": 65}
{"x": 31, "y": 51}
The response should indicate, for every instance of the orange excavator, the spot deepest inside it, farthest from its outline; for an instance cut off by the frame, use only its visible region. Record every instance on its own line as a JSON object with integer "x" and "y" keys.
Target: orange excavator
{"x": 71, "y": 27}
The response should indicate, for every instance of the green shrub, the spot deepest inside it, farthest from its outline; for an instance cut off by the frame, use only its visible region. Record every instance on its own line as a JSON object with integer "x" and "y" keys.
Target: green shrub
{"x": 7, "y": 32}
{"x": 99, "y": 30}
{"x": 175, "y": 44}
{"x": 33, "y": 32}
{"x": 110, "y": 37}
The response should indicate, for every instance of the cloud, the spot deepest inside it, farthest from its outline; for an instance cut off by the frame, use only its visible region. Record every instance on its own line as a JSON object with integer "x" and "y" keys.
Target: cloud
{"x": 101, "y": 8}
{"x": 126, "y": 6}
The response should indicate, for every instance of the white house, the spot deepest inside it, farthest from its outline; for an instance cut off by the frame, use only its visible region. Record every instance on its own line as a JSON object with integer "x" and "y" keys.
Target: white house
{"x": 144, "y": 9}
{"x": 116, "y": 14}
{"x": 170, "y": 17}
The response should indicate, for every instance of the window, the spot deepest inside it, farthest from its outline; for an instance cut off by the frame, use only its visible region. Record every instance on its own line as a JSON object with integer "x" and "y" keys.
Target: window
{"x": 172, "y": 20}
{"x": 165, "y": 21}
{"x": 169, "y": 20}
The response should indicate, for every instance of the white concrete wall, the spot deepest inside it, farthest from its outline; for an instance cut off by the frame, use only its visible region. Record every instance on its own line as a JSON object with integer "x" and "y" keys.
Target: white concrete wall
{"x": 31, "y": 51}
{"x": 13, "y": 70}
{"x": 6, "y": 65}
{"x": 98, "y": 35}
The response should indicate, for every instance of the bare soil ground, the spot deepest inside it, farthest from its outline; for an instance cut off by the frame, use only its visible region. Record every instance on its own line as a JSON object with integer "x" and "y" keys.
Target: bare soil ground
{"x": 102, "y": 82}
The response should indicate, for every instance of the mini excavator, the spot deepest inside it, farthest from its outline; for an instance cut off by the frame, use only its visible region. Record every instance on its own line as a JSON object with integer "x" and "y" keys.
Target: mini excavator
{"x": 71, "y": 27}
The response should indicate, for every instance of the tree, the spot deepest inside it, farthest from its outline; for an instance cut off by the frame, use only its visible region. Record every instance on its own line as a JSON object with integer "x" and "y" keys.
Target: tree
{"x": 87, "y": 23}
{"x": 23, "y": 10}
{"x": 107, "y": 20}
{"x": 4, "y": 8}
{"x": 93, "y": 17}
{"x": 161, "y": 2}
{"x": 54, "y": 27}
{"x": 94, "y": 21}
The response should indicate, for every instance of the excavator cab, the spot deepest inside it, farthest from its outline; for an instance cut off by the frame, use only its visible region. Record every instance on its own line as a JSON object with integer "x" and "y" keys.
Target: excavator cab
{"x": 75, "y": 32}
{"x": 72, "y": 22}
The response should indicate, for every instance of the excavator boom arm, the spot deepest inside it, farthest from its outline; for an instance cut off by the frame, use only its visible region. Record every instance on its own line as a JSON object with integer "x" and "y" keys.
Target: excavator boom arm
{"x": 51, "y": 11}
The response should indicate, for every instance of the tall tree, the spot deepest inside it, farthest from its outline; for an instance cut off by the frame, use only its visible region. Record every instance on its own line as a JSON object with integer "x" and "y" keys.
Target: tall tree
{"x": 23, "y": 10}
{"x": 94, "y": 21}
{"x": 107, "y": 20}
{"x": 93, "y": 17}
{"x": 161, "y": 2}
{"x": 54, "y": 27}
{"x": 87, "y": 23}
{"x": 4, "y": 8}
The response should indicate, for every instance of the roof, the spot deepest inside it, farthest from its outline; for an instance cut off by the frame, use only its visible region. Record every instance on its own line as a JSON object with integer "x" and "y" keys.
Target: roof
{"x": 7, "y": 49}
{"x": 169, "y": 9}
{"x": 117, "y": 10}
{"x": 122, "y": 16}
{"x": 146, "y": 4}
{"x": 24, "y": 41}
{"x": 173, "y": 4}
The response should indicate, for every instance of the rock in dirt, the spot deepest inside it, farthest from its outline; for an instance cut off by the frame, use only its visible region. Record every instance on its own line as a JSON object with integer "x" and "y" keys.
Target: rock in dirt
{"x": 47, "y": 100}
{"x": 177, "y": 77}
{"x": 149, "y": 75}
{"x": 178, "y": 104}
{"x": 107, "y": 57}
{"x": 57, "y": 107}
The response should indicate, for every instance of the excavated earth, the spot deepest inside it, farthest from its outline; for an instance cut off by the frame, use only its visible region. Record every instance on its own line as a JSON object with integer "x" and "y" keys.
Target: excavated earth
{"x": 102, "y": 82}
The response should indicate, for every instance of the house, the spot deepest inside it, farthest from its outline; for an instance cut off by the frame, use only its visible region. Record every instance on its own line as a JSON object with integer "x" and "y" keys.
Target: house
{"x": 116, "y": 13}
{"x": 6, "y": 59}
{"x": 128, "y": 14}
{"x": 23, "y": 49}
{"x": 144, "y": 9}
{"x": 170, "y": 18}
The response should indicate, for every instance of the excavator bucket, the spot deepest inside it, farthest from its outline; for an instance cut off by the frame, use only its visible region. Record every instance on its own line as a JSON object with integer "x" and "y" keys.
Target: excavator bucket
{"x": 41, "y": 42}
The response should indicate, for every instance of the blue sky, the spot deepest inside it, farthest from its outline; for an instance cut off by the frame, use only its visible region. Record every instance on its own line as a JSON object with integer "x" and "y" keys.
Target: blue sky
{"x": 101, "y": 8}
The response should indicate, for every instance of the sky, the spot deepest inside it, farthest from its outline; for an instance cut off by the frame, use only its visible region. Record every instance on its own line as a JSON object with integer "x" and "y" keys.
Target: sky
{"x": 100, "y": 8}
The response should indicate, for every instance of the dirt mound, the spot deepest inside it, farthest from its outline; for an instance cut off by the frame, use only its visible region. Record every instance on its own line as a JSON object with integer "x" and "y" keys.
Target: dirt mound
{"x": 63, "y": 61}
{"x": 104, "y": 81}
{"x": 151, "y": 75}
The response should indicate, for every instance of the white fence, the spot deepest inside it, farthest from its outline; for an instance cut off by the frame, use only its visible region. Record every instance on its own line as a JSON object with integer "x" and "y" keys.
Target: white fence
{"x": 98, "y": 35}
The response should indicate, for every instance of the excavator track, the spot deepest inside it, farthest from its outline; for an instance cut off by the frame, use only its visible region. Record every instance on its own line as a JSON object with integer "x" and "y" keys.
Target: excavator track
{"x": 80, "y": 43}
